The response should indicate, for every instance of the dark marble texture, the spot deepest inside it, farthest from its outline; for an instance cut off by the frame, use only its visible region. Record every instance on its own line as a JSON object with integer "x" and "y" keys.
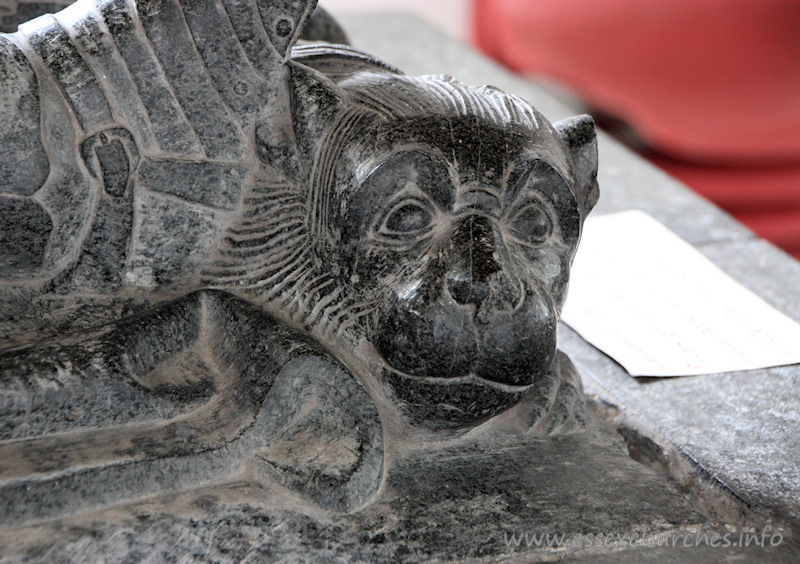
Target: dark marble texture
{"x": 143, "y": 419}
{"x": 423, "y": 223}
{"x": 278, "y": 277}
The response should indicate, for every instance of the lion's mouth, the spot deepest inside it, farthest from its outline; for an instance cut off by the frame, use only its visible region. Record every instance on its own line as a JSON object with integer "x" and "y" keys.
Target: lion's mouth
{"x": 442, "y": 343}
{"x": 468, "y": 379}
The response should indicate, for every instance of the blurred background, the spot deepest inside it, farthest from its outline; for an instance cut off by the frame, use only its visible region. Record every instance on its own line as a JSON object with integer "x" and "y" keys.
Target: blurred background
{"x": 453, "y": 17}
{"x": 708, "y": 90}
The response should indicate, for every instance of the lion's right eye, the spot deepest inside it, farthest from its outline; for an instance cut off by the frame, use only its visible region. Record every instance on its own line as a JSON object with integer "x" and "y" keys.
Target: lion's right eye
{"x": 408, "y": 218}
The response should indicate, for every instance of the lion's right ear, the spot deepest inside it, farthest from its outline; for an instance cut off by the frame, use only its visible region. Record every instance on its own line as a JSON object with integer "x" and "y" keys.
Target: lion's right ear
{"x": 580, "y": 138}
{"x": 288, "y": 134}
{"x": 316, "y": 101}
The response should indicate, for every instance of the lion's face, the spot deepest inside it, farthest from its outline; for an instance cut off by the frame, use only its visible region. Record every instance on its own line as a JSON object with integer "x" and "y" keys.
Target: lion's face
{"x": 462, "y": 235}
{"x": 448, "y": 217}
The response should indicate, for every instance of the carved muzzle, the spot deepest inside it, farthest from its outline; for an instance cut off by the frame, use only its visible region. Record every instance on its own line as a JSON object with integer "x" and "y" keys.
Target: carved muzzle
{"x": 471, "y": 313}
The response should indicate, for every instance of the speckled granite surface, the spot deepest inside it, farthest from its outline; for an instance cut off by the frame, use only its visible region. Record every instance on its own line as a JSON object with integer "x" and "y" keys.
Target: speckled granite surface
{"x": 712, "y": 455}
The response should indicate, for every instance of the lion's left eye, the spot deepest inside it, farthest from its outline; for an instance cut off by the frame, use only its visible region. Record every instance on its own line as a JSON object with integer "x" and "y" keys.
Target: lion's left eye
{"x": 408, "y": 218}
{"x": 532, "y": 224}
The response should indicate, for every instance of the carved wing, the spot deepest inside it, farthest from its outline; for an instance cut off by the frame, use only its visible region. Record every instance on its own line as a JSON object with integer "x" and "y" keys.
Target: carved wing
{"x": 127, "y": 119}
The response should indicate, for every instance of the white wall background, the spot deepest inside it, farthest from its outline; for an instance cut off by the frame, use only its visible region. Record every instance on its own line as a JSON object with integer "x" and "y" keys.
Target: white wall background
{"x": 451, "y": 16}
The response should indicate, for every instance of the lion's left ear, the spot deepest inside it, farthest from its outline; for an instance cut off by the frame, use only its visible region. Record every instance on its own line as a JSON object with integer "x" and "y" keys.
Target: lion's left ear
{"x": 580, "y": 138}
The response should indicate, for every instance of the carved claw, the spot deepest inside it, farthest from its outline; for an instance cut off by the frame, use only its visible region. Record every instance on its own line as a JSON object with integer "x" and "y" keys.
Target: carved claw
{"x": 568, "y": 411}
{"x": 324, "y": 437}
{"x": 554, "y": 405}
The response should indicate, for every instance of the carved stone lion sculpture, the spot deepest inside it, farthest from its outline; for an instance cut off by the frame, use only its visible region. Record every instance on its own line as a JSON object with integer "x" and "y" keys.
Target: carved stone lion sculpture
{"x": 223, "y": 258}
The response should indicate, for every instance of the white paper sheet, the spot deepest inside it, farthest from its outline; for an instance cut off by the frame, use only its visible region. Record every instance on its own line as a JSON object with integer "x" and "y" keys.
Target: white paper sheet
{"x": 658, "y": 307}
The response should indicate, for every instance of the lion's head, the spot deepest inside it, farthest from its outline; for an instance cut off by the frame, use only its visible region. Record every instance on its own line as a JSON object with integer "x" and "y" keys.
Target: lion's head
{"x": 452, "y": 214}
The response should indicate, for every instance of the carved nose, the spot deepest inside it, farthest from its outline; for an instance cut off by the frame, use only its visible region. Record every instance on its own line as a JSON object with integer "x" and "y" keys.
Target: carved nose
{"x": 464, "y": 289}
{"x": 472, "y": 261}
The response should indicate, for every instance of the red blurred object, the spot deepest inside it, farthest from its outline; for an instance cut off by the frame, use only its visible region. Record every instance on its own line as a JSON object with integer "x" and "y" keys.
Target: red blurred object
{"x": 712, "y": 85}
{"x": 766, "y": 199}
